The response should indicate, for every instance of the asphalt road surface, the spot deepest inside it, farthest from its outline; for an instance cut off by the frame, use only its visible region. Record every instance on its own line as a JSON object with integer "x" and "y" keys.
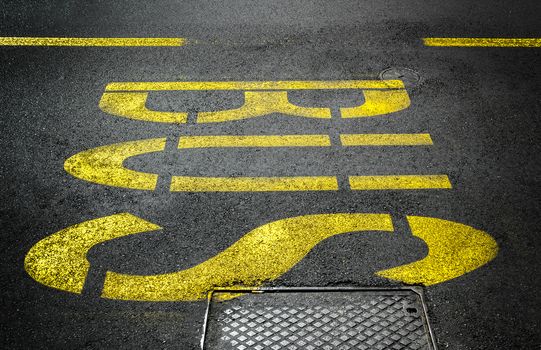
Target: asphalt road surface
{"x": 471, "y": 116}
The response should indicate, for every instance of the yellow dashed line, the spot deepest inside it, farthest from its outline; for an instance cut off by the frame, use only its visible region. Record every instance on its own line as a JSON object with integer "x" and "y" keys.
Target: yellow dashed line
{"x": 483, "y": 42}
{"x": 253, "y": 184}
{"x": 254, "y": 141}
{"x": 49, "y": 41}
{"x": 385, "y": 139}
{"x": 399, "y": 182}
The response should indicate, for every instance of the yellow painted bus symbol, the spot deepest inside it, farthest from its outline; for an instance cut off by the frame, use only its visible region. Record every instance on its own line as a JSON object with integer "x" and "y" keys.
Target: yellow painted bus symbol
{"x": 263, "y": 254}
{"x": 128, "y": 99}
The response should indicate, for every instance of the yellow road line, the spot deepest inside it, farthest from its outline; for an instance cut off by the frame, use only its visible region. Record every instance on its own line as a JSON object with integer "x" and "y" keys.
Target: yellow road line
{"x": 483, "y": 42}
{"x": 49, "y": 41}
{"x": 254, "y": 141}
{"x": 385, "y": 139}
{"x": 399, "y": 182}
{"x": 253, "y": 184}
{"x": 254, "y": 85}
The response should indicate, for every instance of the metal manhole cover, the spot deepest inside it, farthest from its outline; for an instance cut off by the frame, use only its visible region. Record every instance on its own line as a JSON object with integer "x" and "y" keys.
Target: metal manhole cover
{"x": 410, "y": 77}
{"x": 310, "y": 319}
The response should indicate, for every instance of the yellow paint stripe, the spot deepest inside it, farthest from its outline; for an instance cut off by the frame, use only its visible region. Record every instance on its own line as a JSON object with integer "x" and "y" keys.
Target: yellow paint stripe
{"x": 453, "y": 250}
{"x": 254, "y": 141}
{"x": 263, "y": 254}
{"x": 385, "y": 139}
{"x": 59, "y": 260}
{"x": 54, "y": 41}
{"x": 483, "y": 42}
{"x": 255, "y": 85}
{"x": 253, "y": 184}
{"x": 399, "y": 182}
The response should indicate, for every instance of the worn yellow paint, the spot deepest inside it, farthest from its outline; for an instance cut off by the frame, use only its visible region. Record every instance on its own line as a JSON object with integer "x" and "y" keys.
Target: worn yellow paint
{"x": 253, "y": 184}
{"x": 378, "y": 102}
{"x": 399, "y": 182}
{"x": 132, "y": 105}
{"x": 385, "y": 139}
{"x": 255, "y": 85}
{"x": 56, "y": 41}
{"x": 263, "y": 254}
{"x": 381, "y": 97}
{"x": 59, "y": 260}
{"x": 453, "y": 250}
{"x": 261, "y": 103}
{"x": 254, "y": 141}
{"x": 104, "y": 165}
{"x": 210, "y": 141}
{"x": 483, "y": 42}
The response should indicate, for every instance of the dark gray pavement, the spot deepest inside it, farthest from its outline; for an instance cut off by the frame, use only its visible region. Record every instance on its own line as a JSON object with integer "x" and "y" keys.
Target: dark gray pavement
{"x": 480, "y": 105}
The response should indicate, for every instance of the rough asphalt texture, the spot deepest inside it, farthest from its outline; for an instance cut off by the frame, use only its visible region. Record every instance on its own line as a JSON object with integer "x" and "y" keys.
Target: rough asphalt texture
{"x": 480, "y": 105}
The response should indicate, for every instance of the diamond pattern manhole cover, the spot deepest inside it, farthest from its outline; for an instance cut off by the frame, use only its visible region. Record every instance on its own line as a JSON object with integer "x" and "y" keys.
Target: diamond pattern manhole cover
{"x": 310, "y": 319}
